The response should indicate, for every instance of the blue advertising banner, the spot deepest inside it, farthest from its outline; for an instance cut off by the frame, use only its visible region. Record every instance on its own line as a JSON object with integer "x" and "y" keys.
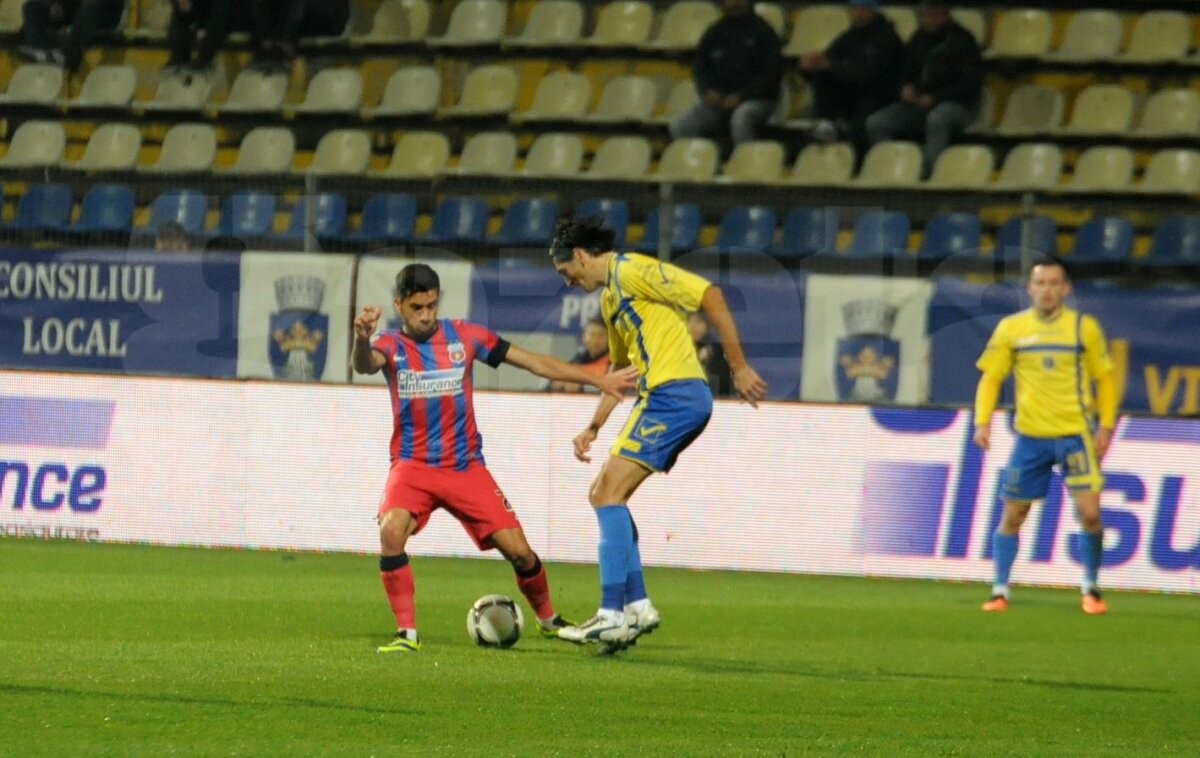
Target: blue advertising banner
{"x": 1153, "y": 338}
{"x": 117, "y": 311}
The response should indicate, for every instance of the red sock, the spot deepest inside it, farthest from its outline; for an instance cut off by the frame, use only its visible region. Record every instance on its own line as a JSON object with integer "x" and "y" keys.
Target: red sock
{"x": 398, "y": 582}
{"x": 536, "y": 589}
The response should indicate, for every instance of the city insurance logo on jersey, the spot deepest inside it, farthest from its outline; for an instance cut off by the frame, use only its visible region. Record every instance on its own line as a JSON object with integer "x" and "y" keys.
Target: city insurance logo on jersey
{"x": 942, "y": 499}
{"x": 48, "y": 448}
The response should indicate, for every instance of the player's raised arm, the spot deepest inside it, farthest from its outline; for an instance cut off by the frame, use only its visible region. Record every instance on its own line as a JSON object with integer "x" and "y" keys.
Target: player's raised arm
{"x": 613, "y": 384}
{"x": 749, "y": 385}
{"x": 364, "y": 358}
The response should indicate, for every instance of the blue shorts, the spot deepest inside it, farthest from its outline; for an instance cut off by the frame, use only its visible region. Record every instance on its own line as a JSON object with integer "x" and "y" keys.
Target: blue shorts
{"x": 1028, "y": 474}
{"x": 663, "y": 423}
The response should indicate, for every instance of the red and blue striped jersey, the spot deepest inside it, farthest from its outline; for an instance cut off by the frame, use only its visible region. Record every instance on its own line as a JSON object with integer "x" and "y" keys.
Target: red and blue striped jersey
{"x": 430, "y": 385}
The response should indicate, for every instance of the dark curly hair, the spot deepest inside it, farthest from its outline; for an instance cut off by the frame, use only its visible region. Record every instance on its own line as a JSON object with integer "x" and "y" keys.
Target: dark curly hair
{"x": 589, "y": 233}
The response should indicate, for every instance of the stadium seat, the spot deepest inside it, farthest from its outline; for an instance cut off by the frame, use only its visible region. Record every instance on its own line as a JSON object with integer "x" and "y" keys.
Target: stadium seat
{"x": 112, "y": 147}
{"x": 554, "y": 155}
{"x": 759, "y": 161}
{"x": 1176, "y": 243}
{"x": 264, "y": 150}
{"x": 807, "y": 231}
{"x": 985, "y": 112}
{"x": 387, "y": 217}
{"x": 341, "y": 151}
{"x": 772, "y": 13}
{"x": 247, "y": 215}
{"x": 179, "y": 91}
{"x": 747, "y": 228}
{"x": 682, "y": 25}
{"x": 418, "y": 155}
{"x": 1102, "y": 169}
{"x": 962, "y": 167}
{"x": 186, "y": 148}
{"x": 255, "y": 91}
{"x": 44, "y": 208}
{"x": 1159, "y": 37}
{"x": 488, "y": 154}
{"x": 972, "y": 20}
{"x": 685, "y": 229}
{"x": 10, "y": 16}
{"x": 459, "y": 219}
{"x": 879, "y": 234}
{"x": 1031, "y": 166}
{"x": 397, "y": 21}
{"x": 488, "y": 91}
{"x": 560, "y": 96}
{"x": 1170, "y": 113}
{"x": 623, "y": 23}
{"x": 106, "y": 209}
{"x": 688, "y": 160}
{"x": 34, "y": 84}
{"x": 1032, "y": 109}
{"x": 626, "y": 98}
{"x": 681, "y": 97}
{"x": 153, "y": 20}
{"x": 620, "y": 158}
{"x": 329, "y": 217}
{"x": 185, "y": 207}
{"x": 615, "y": 214}
{"x": 1103, "y": 239}
{"x": 107, "y": 86}
{"x": 903, "y": 19}
{"x": 528, "y": 221}
{"x": 551, "y": 23}
{"x": 1101, "y": 109}
{"x": 36, "y": 144}
{"x": 1172, "y": 172}
{"x": 473, "y": 23}
{"x": 951, "y": 234}
{"x": 823, "y": 164}
{"x": 333, "y": 90}
{"x": 815, "y": 27}
{"x": 1042, "y": 239}
{"x": 891, "y": 164}
{"x": 411, "y": 90}
{"x": 1021, "y": 33}
{"x": 1090, "y": 36}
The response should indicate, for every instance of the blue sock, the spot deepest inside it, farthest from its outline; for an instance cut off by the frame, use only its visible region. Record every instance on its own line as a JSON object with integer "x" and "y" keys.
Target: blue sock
{"x": 1093, "y": 553}
{"x": 616, "y": 539}
{"x": 1004, "y": 552}
{"x": 635, "y": 583}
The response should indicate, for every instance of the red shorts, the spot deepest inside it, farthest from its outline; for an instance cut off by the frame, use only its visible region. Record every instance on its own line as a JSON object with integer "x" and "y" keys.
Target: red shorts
{"x": 471, "y": 496}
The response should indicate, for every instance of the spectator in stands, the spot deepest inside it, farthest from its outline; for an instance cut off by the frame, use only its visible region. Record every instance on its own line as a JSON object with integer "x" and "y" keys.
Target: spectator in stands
{"x": 214, "y": 17}
{"x": 738, "y": 72}
{"x": 592, "y": 355}
{"x": 857, "y": 75}
{"x": 711, "y": 356}
{"x": 941, "y": 85}
{"x": 278, "y": 26}
{"x": 171, "y": 237}
{"x": 41, "y": 20}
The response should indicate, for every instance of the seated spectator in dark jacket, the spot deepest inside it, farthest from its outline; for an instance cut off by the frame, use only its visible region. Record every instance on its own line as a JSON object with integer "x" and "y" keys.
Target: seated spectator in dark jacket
{"x": 41, "y": 20}
{"x": 592, "y": 355}
{"x": 738, "y": 72}
{"x": 941, "y": 85}
{"x": 216, "y": 18}
{"x": 857, "y": 75}
{"x": 712, "y": 357}
{"x": 279, "y": 25}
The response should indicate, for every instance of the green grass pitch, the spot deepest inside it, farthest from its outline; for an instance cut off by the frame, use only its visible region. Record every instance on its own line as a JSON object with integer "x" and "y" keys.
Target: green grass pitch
{"x": 131, "y": 650}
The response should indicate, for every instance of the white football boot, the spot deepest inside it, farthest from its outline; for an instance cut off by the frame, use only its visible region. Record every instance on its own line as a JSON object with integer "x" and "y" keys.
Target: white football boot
{"x": 605, "y": 626}
{"x": 640, "y": 622}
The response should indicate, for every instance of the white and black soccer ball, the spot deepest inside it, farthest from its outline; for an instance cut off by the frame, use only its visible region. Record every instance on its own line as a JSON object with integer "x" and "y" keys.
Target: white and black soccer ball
{"x": 495, "y": 621}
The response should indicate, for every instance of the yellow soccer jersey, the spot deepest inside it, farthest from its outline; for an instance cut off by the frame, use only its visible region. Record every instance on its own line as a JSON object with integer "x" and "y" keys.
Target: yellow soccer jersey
{"x": 645, "y": 304}
{"x": 1055, "y": 363}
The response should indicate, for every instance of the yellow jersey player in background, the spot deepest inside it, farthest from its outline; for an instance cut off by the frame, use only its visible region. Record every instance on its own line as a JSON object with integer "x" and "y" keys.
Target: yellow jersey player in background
{"x": 645, "y": 303}
{"x": 1056, "y": 353}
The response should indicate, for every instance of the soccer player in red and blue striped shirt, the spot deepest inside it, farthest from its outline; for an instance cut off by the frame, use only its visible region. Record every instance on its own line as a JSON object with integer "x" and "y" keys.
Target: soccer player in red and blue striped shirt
{"x": 436, "y": 448}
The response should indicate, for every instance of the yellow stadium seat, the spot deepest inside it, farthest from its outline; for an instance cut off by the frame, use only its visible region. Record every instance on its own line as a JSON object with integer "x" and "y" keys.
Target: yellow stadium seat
{"x": 106, "y": 87}
{"x": 683, "y": 24}
{"x": 688, "y": 160}
{"x": 757, "y": 161}
{"x": 418, "y": 155}
{"x": 972, "y": 20}
{"x": 488, "y": 90}
{"x": 815, "y": 27}
{"x": 1101, "y": 109}
{"x": 621, "y": 158}
{"x": 1102, "y": 169}
{"x": 34, "y": 84}
{"x": 474, "y": 22}
{"x": 623, "y": 23}
{"x": 903, "y": 19}
{"x": 187, "y": 148}
{"x": 411, "y": 90}
{"x": 554, "y": 155}
{"x": 36, "y": 144}
{"x": 626, "y": 98}
{"x": 1172, "y": 172}
{"x": 823, "y": 164}
{"x": 772, "y": 13}
{"x": 985, "y": 112}
{"x": 1171, "y": 113}
{"x": 560, "y": 96}
{"x": 1023, "y": 33}
{"x": 1091, "y": 35}
{"x": 152, "y": 21}
{"x": 10, "y": 15}
{"x": 891, "y": 164}
{"x": 1031, "y": 109}
{"x": 551, "y": 23}
{"x": 489, "y": 154}
{"x": 681, "y": 97}
{"x": 112, "y": 147}
{"x": 179, "y": 91}
{"x": 1159, "y": 37}
{"x": 264, "y": 150}
{"x": 397, "y": 21}
{"x": 341, "y": 152}
{"x": 1031, "y": 166}
{"x": 962, "y": 167}
{"x": 333, "y": 90}
{"x": 256, "y": 92}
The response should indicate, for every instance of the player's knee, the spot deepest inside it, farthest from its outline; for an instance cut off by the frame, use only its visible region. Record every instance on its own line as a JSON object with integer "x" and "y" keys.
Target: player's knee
{"x": 1091, "y": 520}
{"x": 392, "y": 536}
{"x": 522, "y": 560}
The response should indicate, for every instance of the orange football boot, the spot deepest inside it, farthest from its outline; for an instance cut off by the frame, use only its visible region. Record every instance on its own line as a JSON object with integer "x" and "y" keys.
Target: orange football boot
{"x": 1093, "y": 605}
{"x": 998, "y": 604}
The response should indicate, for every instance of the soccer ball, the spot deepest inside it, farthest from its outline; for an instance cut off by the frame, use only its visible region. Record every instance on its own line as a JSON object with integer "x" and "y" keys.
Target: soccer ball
{"x": 495, "y": 621}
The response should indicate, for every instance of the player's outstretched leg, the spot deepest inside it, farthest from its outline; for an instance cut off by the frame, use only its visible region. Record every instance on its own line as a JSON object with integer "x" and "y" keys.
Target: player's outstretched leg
{"x": 531, "y": 579}
{"x": 398, "y": 583}
{"x": 616, "y": 541}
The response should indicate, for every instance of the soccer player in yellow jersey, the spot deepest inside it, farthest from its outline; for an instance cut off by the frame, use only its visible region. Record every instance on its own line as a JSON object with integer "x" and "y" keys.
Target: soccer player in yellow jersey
{"x": 645, "y": 303}
{"x": 1056, "y": 353}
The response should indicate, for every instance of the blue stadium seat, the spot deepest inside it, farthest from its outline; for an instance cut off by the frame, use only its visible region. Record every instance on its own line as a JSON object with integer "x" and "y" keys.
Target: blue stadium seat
{"x": 106, "y": 208}
{"x": 329, "y": 217}
{"x": 1043, "y": 237}
{"x": 880, "y": 234}
{"x": 248, "y": 214}
{"x": 459, "y": 219}
{"x": 614, "y": 212}
{"x": 747, "y": 228}
{"x": 950, "y": 234}
{"x": 808, "y": 231}
{"x": 1104, "y": 239}
{"x": 528, "y": 222}
{"x": 387, "y": 217}
{"x": 185, "y": 207}
{"x": 685, "y": 233}
{"x": 44, "y": 207}
{"x": 1176, "y": 243}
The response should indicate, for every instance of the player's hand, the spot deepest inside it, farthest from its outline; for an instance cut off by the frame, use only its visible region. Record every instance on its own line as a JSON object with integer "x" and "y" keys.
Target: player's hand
{"x": 749, "y": 385}
{"x": 983, "y": 437}
{"x": 365, "y": 322}
{"x": 615, "y": 383}
{"x": 583, "y": 443}
{"x": 1103, "y": 440}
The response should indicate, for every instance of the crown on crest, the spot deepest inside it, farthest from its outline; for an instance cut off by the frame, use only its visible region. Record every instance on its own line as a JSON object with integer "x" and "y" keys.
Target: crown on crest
{"x": 869, "y": 317}
{"x": 299, "y": 293}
